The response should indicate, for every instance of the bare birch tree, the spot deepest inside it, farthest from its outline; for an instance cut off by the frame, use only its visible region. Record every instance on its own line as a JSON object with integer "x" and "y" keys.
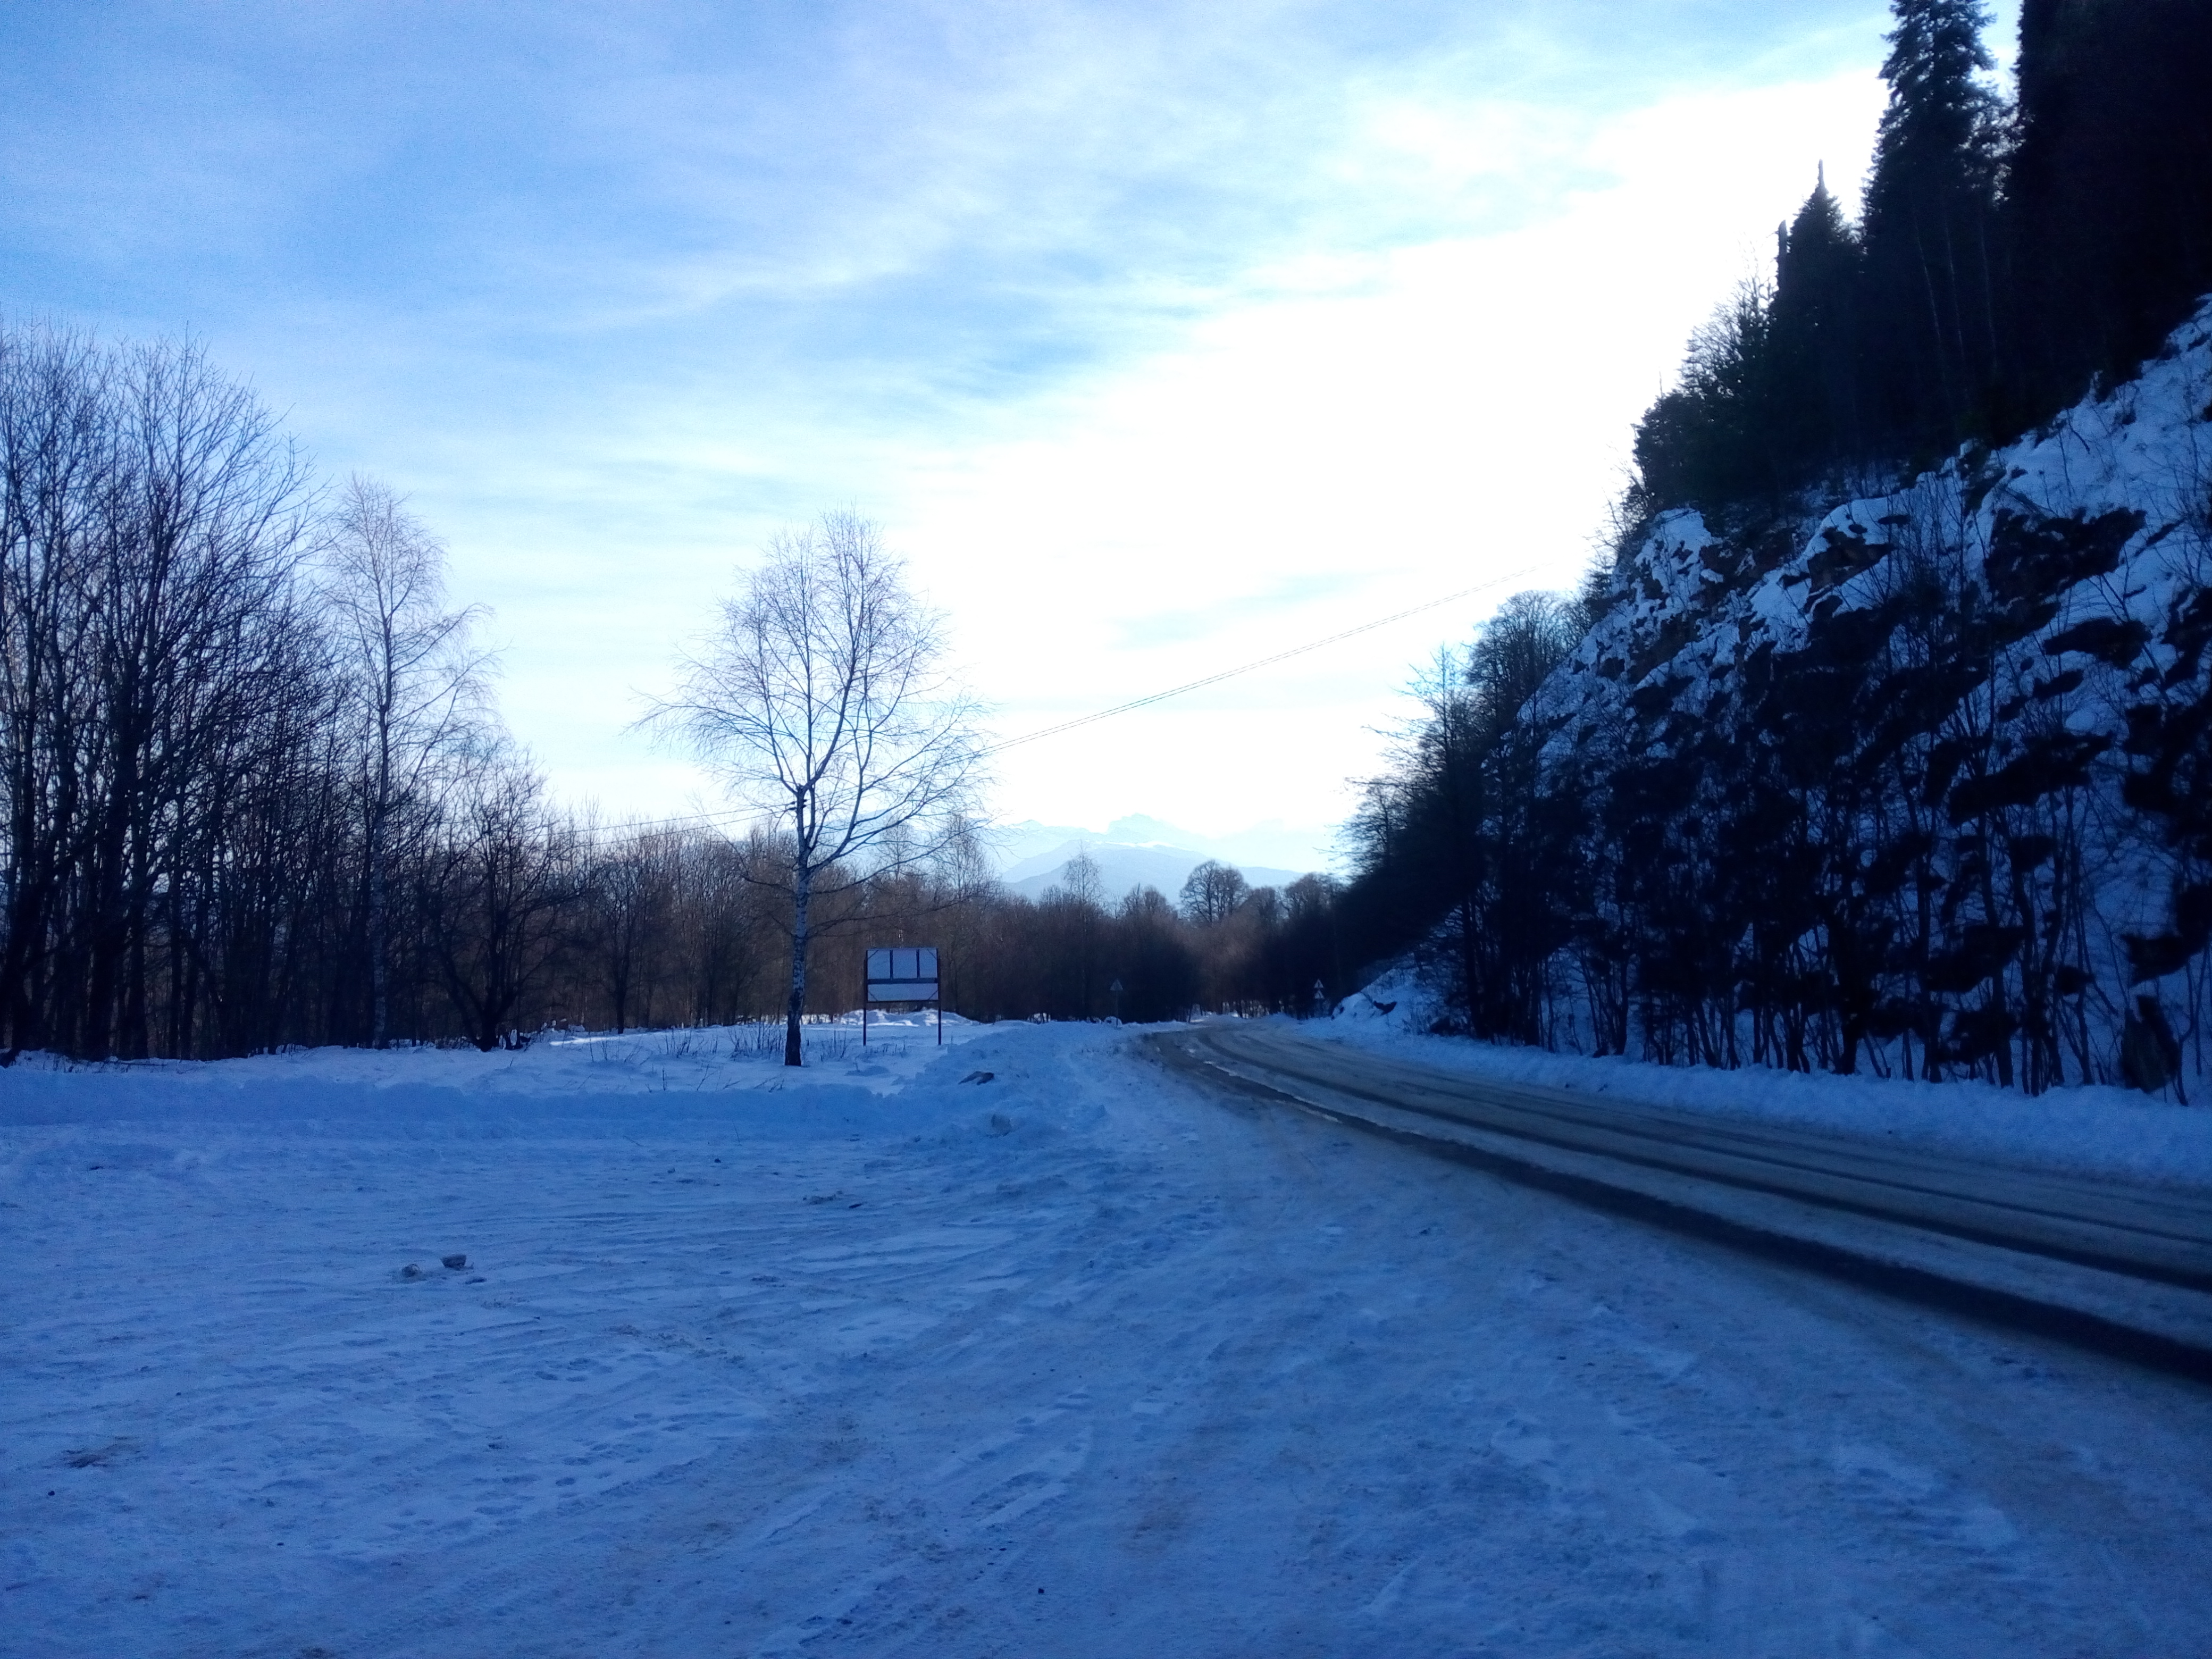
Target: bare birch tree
{"x": 415, "y": 687}
{"x": 823, "y": 700}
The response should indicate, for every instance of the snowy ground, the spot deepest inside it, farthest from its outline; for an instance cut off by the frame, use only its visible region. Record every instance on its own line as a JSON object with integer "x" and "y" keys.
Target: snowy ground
{"x": 868, "y": 1360}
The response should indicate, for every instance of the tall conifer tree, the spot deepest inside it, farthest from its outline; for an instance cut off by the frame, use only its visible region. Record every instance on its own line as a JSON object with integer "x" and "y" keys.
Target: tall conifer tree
{"x": 2110, "y": 194}
{"x": 1815, "y": 341}
{"x": 1931, "y": 211}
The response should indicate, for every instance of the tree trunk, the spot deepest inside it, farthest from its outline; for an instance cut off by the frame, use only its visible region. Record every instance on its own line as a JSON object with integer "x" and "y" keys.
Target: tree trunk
{"x": 110, "y": 932}
{"x": 379, "y": 880}
{"x": 802, "y": 893}
{"x": 380, "y": 927}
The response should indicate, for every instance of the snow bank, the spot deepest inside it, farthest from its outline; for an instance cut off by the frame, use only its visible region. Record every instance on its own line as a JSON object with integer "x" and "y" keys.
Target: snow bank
{"x": 2096, "y": 1130}
{"x": 732, "y": 1077}
{"x": 1398, "y": 1000}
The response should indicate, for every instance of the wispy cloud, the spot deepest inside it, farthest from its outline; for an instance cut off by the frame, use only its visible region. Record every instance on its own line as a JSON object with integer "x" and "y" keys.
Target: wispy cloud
{"x": 1160, "y": 331}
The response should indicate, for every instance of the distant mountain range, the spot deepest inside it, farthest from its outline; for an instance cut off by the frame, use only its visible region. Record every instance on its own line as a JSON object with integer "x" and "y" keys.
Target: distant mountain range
{"x": 1140, "y": 850}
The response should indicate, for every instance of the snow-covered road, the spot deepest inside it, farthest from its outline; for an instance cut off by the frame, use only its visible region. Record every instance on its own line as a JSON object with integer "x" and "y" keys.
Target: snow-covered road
{"x": 2123, "y": 1266}
{"x": 1075, "y": 1361}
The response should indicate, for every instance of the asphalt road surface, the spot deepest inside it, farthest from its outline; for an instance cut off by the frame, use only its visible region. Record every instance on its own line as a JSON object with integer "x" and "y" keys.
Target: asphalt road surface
{"x": 2126, "y": 1268}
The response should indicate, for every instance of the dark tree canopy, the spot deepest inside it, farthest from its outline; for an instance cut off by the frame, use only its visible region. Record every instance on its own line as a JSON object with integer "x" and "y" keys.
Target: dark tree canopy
{"x": 1814, "y": 333}
{"x": 1930, "y": 224}
{"x": 1213, "y": 892}
{"x": 2008, "y": 253}
{"x": 2110, "y": 189}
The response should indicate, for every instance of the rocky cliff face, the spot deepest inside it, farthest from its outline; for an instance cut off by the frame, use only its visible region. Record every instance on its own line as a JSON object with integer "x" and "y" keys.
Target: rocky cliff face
{"x": 1923, "y": 778}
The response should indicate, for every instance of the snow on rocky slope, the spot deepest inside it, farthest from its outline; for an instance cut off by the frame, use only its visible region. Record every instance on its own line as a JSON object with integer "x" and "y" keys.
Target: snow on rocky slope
{"x": 2022, "y": 637}
{"x": 1699, "y": 608}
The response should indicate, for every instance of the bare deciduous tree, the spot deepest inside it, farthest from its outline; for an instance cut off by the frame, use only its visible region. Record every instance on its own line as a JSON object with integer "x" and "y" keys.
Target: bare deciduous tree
{"x": 500, "y": 887}
{"x": 823, "y": 700}
{"x": 1212, "y": 893}
{"x": 151, "y": 528}
{"x": 414, "y": 685}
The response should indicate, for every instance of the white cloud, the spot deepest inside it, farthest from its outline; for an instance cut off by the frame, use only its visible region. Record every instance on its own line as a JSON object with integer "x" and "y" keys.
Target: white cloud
{"x": 1162, "y": 339}
{"x": 1446, "y": 414}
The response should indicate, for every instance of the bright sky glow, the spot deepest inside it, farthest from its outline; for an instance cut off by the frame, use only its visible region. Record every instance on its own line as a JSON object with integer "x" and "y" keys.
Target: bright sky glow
{"x": 1160, "y": 337}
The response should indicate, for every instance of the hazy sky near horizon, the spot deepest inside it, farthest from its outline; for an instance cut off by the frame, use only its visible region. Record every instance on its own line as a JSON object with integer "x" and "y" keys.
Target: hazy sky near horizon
{"x": 1159, "y": 336}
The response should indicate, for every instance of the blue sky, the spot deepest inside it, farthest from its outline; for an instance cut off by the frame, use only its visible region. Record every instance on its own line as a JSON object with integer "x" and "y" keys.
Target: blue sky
{"x": 1160, "y": 337}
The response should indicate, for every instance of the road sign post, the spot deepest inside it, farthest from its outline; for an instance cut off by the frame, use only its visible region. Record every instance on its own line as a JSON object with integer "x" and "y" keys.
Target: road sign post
{"x": 903, "y": 973}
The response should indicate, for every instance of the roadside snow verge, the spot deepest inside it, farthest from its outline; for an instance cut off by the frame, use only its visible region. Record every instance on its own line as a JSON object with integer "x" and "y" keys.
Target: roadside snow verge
{"x": 2097, "y": 1130}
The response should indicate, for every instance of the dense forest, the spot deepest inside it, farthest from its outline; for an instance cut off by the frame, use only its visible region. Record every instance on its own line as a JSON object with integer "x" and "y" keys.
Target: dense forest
{"x": 256, "y": 792}
{"x": 2012, "y": 252}
{"x": 1878, "y": 736}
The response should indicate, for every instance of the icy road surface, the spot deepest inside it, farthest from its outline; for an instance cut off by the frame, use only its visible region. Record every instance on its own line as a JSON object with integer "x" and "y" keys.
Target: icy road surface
{"x": 1075, "y": 1361}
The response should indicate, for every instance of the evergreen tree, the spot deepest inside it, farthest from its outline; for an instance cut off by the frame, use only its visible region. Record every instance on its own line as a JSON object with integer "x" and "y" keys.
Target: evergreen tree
{"x": 1931, "y": 211}
{"x": 1814, "y": 334}
{"x": 2005, "y": 259}
{"x": 1712, "y": 440}
{"x": 2109, "y": 198}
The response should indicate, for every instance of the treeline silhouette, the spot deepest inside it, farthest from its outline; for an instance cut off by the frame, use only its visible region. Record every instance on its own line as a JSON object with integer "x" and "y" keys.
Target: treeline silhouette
{"x": 254, "y": 791}
{"x": 2010, "y": 251}
{"x": 253, "y": 794}
{"x": 1220, "y": 945}
{"x": 1462, "y": 851}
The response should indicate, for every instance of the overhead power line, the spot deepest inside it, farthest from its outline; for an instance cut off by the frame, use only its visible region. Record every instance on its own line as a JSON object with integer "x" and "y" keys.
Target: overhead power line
{"x": 703, "y": 819}
{"x": 1262, "y": 662}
